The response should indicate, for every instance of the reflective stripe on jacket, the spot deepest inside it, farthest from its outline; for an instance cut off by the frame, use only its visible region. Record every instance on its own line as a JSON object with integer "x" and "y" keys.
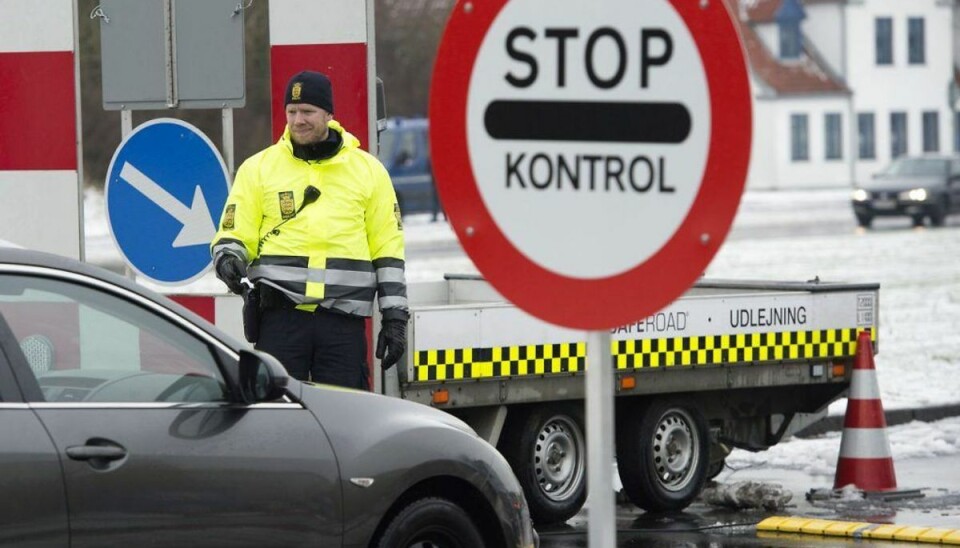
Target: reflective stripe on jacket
{"x": 338, "y": 252}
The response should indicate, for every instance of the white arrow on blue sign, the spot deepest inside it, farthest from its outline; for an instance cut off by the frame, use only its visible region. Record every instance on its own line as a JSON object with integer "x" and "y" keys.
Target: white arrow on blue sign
{"x": 165, "y": 189}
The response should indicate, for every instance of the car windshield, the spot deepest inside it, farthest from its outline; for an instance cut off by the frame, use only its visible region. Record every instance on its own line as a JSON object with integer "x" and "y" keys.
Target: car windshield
{"x": 387, "y": 140}
{"x": 917, "y": 166}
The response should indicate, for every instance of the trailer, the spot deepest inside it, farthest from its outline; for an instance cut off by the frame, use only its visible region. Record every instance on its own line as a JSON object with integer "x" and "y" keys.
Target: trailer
{"x": 729, "y": 364}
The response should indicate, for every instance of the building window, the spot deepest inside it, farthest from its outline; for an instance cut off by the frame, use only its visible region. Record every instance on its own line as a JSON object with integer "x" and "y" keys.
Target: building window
{"x": 916, "y": 42}
{"x": 799, "y": 150}
{"x": 898, "y": 134}
{"x": 956, "y": 131}
{"x": 884, "y": 39}
{"x": 788, "y": 17}
{"x": 931, "y": 131}
{"x": 866, "y": 132}
{"x": 790, "y": 40}
{"x": 834, "y": 136}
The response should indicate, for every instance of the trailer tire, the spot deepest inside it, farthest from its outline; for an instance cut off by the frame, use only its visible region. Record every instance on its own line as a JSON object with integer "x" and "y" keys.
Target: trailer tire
{"x": 547, "y": 450}
{"x": 663, "y": 458}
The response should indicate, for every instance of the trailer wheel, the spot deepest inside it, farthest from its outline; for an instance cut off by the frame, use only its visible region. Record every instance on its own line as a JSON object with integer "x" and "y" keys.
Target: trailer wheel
{"x": 663, "y": 459}
{"x": 548, "y": 453}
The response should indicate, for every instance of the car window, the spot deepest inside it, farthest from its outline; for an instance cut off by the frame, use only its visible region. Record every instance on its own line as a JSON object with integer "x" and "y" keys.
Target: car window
{"x": 387, "y": 141}
{"x": 425, "y": 138}
{"x": 406, "y": 148}
{"x": 87, "y": 345}
{"x": 917, "y": 166}
{"x": 955, "y": 167}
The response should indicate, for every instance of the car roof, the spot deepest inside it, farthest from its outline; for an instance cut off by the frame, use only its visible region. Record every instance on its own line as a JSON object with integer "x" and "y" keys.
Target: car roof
{"x": 28, "y": 257}
{"x": 400, "y": 123}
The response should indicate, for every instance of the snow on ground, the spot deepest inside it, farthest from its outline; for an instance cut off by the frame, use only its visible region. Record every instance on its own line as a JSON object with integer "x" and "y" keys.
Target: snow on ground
{"x": 918, "y": 271}
{"x": 818, "y": 456}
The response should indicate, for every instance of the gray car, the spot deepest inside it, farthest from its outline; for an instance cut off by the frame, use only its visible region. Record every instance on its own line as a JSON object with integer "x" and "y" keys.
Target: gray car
{"x": 127, "y": 420}
{"x": 918, "y": 187}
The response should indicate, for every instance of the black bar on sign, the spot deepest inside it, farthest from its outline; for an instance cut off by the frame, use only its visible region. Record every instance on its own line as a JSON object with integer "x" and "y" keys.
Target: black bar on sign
{"x": 588, "y": 121}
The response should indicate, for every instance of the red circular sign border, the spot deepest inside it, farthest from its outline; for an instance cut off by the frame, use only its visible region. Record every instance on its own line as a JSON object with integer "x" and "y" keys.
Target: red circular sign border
{"x": 598, "y": 303}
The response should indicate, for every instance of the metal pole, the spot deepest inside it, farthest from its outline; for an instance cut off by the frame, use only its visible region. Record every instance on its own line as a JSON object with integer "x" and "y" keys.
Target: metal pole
{"x": 226, "y": 118}
{"x": 126, "y": 123}
{"x": 373, "y": 146}
{"x": 77, "y": 112}
{"x": 126, "y": 128}
{"x": 602, "y": 519}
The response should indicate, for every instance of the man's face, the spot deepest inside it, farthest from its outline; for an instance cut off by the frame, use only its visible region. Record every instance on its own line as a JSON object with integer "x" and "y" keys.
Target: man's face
{"x": 307, "y": 123}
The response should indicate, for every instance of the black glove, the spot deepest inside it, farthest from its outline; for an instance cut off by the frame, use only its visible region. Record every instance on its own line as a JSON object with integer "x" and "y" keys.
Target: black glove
{"x": 231, "y": 269}
{"x": 392, "y": 342}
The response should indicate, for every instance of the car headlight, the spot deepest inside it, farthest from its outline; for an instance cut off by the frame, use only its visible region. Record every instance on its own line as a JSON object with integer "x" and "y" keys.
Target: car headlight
{"x": 860, "y": 195}
{"x": 915, "y": 195}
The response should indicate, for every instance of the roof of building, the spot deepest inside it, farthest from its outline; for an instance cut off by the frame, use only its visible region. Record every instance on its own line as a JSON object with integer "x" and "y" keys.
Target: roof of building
{"x": 764, "y": 11}
{"x": 808, "y": 74}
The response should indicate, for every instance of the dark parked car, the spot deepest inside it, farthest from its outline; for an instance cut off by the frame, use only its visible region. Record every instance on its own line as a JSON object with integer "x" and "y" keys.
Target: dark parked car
{"x": 405, "y": 152}
{"x": 918, "y": 187}
{"x": 127, "y": 420}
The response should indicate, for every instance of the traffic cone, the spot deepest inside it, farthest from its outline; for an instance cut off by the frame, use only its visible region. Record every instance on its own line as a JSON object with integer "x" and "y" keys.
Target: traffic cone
{"x": 865, "y": 460}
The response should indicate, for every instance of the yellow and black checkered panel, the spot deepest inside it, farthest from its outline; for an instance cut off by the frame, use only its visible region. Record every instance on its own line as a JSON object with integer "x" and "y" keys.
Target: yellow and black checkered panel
{"x": 548, "y": 359}
{"x": 741, "y": 348}
{"x": 500, "y": 361}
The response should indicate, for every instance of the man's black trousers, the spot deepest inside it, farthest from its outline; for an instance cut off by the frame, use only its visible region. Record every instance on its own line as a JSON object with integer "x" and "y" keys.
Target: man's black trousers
{"x": 323, "y": 346}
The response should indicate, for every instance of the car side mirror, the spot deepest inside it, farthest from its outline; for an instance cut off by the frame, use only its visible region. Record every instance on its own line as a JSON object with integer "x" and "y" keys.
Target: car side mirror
{"x": 262, "y": 377}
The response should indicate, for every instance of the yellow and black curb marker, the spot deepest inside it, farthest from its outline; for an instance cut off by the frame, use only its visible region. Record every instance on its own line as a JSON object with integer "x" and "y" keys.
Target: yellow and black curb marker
{"x": 858, "y": 530}
{"x": 565, "y": 358}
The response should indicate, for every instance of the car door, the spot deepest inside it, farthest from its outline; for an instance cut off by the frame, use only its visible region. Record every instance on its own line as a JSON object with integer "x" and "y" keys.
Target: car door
{"x": 153, "y": 449}
{"x": 33, "y": 508}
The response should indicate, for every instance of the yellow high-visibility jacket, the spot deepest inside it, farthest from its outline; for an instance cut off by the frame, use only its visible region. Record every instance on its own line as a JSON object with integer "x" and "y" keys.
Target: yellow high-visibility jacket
{"x": 338, "y": 252}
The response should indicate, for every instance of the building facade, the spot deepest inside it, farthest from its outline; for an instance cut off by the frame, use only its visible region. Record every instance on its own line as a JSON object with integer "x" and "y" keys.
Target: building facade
{"x": 841, "y": 87}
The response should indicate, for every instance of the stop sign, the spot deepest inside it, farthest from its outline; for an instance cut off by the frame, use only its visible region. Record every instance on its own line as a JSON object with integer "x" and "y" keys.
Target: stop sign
{"x": 590, "y": 156}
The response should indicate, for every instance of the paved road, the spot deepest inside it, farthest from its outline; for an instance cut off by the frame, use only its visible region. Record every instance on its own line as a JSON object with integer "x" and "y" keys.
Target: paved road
{"x": 703, "y": 525}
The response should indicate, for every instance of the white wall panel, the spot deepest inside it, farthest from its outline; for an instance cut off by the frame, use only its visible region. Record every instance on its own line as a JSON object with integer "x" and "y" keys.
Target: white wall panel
{"x": 296, "y": 22}
{"x": 36, "y": 25}
{"x": 40, "y": 210}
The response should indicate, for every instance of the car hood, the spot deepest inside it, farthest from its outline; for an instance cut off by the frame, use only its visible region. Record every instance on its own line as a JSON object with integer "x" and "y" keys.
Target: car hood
{"x": 903, "y": 182}
{"x": 345, "y": 405}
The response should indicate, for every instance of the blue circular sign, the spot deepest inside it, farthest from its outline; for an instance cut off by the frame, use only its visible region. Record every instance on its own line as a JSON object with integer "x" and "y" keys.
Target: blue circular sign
{"x": 165, "y": 190}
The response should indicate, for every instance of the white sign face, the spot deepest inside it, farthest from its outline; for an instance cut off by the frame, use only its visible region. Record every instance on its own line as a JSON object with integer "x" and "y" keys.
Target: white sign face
{"x": 588, "y": 127}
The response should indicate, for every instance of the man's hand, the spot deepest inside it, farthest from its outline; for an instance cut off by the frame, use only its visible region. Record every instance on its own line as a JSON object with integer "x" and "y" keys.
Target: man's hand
{"x": 230, "y": 270}
{"x": 392, "y": 342}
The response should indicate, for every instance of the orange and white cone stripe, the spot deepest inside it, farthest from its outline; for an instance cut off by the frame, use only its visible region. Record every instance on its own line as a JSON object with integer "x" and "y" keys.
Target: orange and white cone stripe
{"x": 865, "y": 459}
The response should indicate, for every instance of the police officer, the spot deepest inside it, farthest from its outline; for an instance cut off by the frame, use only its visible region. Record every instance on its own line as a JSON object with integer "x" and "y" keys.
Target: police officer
{"x": 313, "y": 221}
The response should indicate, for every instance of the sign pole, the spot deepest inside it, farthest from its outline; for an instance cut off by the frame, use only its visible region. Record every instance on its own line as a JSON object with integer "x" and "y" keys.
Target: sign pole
{"x": 226, "y": 119}
{"x": 602, "y": 527}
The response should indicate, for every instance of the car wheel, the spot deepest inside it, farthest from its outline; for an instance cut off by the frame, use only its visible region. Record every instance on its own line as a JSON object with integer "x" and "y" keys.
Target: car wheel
{"x": 864, "y": 220}
{"x": 431, "y": 523}
{"x": 548, "y": 453}
{"x": 917, "y": 220}
{"x": 663, "y": 458}
{"x": 938, "y": 215}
